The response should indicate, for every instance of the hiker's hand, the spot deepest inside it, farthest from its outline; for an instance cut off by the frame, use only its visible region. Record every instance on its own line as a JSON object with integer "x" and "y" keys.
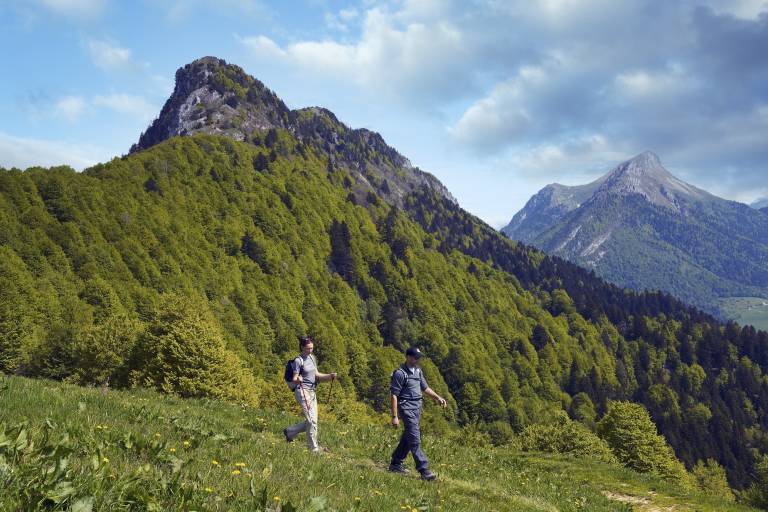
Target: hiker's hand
{"x": 395, "y": 422}
{"x": 441, "y": 401}
{"x": 333, "y": 376}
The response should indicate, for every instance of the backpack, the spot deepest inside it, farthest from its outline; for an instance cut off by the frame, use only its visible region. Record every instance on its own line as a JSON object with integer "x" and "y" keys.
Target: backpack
{"x": 288, "y": 374}
{"x": 416, "y": 375}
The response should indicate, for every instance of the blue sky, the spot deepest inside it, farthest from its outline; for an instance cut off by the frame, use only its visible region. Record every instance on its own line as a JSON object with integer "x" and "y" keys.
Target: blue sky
{"x": 496, "y": 98}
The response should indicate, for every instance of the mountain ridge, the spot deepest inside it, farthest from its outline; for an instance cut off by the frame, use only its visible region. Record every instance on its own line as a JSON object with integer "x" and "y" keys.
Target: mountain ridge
{"x": 644, "y": 228}
{"x": 214, "y": 97}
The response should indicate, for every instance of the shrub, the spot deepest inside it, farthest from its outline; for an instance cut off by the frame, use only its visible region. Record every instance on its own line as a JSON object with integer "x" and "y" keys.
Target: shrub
{"x": 100, "y": 352}
{"x": 757, "y": 494}
{"x": 631, "y": 434}
{"x": 500, "y": 432}
{"x": 566, "y": 437}
{"x": 710, "y": 479}
{"x": 183, "y": 352}
{"x": 472, "y": 435}
{"x": 583, "y": 410}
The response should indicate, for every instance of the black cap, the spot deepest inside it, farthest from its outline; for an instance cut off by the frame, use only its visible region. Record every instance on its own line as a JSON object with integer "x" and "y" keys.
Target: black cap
{"x": 414, "y": 352}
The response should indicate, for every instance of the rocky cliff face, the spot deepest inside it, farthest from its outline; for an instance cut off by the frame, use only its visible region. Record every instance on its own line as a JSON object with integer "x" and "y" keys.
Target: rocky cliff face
{"x": 644, "y": 175}
{"x": 214, "y": 97}
{"x": 217, "y": 98}
{"x": 547, "y": 207}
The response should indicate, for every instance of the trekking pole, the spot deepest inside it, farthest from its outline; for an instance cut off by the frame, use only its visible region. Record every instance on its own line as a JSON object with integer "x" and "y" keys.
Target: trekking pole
{"x": 330, "y": 391}
{"x": 306, "y": 402}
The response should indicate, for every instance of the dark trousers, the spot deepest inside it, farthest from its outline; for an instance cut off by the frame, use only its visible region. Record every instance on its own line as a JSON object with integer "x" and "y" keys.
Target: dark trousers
{"x": 410, "y": 440}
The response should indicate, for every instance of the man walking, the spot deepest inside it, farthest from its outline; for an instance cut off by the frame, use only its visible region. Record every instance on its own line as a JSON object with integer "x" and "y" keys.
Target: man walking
{"x": 406, "y": 388}
{"x": 305, "y": 379}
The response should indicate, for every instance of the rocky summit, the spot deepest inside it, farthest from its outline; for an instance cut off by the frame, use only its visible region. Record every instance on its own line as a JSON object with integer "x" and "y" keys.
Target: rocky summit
{"x": 645, "y": 176}
{"x": 217, "y": 98}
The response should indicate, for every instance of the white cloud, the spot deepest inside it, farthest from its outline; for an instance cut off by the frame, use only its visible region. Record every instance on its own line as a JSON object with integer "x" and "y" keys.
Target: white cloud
{"x": 70, "y": 107}
{"x": 412, "y": 61}
{"x": 743, "y": 9}
{"x": 340, "y": 22}
{"x": 668, "y": 83}
{"x": 575, "y": 160}
{"x": 111, "y": 57}
{"x": 498, "y": 119}
{"x": 25, "y": 152}
{"x": 348, "y": 14}
{"x": 419, "y": 10}
{"x": 494, "y": 121}
{"x": 263, "y": 47}
{"x": 130, "y": 104}
{"x": 181, "y": 9}
{"x": 76, "y": 8}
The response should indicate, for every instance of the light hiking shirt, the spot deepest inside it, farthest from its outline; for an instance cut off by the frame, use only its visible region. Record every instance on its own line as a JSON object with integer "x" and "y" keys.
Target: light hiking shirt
{"x": 407, "y": 385}
{"x": 308, "y": 370}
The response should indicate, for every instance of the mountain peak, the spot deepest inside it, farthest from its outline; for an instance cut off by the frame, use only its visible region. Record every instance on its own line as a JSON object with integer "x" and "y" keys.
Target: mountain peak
{"x": 646, "y": 164}
{"x": 215, "y": 97}
{"x": 646, "y": 159}
{"x": 644, "y": 175}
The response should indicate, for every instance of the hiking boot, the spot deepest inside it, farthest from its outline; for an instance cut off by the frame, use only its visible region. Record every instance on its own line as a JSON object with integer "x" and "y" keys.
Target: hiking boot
{"x": 428, "y": 475}
{"x": 398, "y": 468}
{"x": 287, "y": 439}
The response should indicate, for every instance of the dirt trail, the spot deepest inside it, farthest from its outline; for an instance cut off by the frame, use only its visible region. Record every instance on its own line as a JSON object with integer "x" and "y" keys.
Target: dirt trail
{"x": 640, "y": 503}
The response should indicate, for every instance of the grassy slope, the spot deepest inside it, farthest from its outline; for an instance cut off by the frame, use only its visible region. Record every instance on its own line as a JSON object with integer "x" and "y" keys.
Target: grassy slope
{"x": 746, "y": 311}
{"x": 129, "y": 452}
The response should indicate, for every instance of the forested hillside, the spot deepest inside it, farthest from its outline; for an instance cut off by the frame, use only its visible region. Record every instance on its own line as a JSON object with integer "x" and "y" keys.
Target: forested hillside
{"x": 191, "y": 267}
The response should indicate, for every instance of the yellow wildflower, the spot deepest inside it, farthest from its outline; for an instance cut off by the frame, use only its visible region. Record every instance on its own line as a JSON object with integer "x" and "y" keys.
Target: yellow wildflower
{"x": 236, "y": 472}
{"x": 215, "y": 462}
{"x": 208, "y": 489}
{"x": 277, "y": 498}
{"x": 105, "y": 460}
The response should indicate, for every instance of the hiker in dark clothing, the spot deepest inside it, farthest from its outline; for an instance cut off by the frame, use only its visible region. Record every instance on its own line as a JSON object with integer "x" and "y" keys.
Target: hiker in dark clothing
{"x": 304, "y": 383}
{"x": 406, "y": 388}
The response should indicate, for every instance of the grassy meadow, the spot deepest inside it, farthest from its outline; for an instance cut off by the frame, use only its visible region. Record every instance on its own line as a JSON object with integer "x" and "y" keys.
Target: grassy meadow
{"x": 746, "y": 311}
{"x": 64, "y": 447}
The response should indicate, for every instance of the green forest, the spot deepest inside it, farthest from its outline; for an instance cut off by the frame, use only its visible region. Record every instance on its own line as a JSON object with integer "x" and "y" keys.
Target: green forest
{"x": 191, "y": 267}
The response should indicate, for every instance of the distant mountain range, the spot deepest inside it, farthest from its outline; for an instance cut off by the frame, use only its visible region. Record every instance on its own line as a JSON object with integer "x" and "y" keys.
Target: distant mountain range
{"x": 641, "y": 227}
{"x": 760, "y": 204}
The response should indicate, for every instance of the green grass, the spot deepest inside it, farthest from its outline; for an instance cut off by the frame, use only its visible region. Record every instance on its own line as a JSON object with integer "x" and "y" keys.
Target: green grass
{"x": 746, "y": 311}
{"x": 68, "y": 448}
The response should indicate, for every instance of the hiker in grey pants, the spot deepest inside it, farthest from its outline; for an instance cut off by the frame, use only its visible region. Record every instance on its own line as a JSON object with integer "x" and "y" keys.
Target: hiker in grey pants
{"x": 306, "y": 377}
{"x": 406, "y": 388}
